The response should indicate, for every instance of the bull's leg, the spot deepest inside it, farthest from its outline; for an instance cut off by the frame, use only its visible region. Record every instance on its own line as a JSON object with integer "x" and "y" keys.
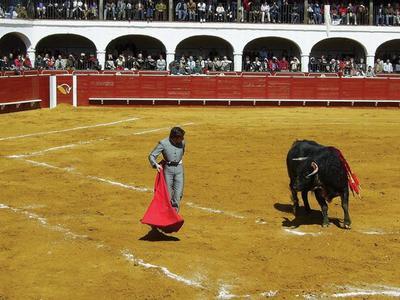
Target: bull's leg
{"x": 345, "y": 205}
{"x": 324, "y": 208}
{"x": 295, "y": 200}
{"x": 304, "y": 195}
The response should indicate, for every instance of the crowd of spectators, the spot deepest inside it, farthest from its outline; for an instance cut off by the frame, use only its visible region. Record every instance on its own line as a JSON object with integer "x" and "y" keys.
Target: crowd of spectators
{"x": 250, "y": 11}
{"x": 267, "y": 62}
{"x": 348, "y": 66}
{"x": 187, "y": 65}
{"x": 47, "y": 61}
{"x": 129, "y": 61}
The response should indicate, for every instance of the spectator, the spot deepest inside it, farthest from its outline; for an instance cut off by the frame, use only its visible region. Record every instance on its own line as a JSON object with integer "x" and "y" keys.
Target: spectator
{"x": 284, "y": 65}
{"x": 190, "y": 66}
{"x": 220, "y": 13}
{"x": 149, "y": 63}
{"x": 71, "y": 62}
{"x": 181, "y": 10}
{"x": 210, "y": 11}
{"x": 201, "y": 7}
{"x": 191, "y": 6}
{"x": 161, "y": 11}
{"x": 389, "y": 13}
{"x": 295, "y": 15}
{"x": 351, "y": 16}
{"x": 370, "y": 72}
{"x": 139, "y": 11}
{"x": 140, "y": 62}
{"x": 161, "y": 64}
{"x": 275, "y": 13}
{"x": 265, "y": 14}
{"x": 317, "y": 14}
{"x": 27, "y": 65}
{"x": 226, "y": 64}
{"x": 60, "y": 63}
{"x": 295, "y": 64}
{"x": 387, "y": 67}
{"x": 129, "y": 11}
{"x": 379, "y": 18}
{"x": 378, "y": 66}
{"x": 121, "y": 10}
{"x": 40, "y": 10}
{"x": 110, "y": 65}
{"x": 149, "y": 10}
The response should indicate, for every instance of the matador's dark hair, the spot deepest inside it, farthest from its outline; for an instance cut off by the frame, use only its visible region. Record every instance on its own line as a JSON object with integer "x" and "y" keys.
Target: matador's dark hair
{"x": 176, "y": 131}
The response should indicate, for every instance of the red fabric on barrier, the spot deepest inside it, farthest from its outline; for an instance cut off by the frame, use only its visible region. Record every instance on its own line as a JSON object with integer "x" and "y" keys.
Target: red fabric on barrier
{"x": 160, "y": 213}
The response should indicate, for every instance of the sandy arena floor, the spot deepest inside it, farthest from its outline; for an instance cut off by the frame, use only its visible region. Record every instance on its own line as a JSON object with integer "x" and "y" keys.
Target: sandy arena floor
{"x": 72, "y": 194}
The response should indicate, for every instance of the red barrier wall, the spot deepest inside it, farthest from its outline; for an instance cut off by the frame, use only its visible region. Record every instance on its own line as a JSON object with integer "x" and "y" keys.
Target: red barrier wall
{"x": 227, "y": 87}
{"x": 21, "y": 88}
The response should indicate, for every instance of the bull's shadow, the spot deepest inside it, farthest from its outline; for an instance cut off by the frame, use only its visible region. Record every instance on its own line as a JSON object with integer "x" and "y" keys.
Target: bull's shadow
{"x": 155, "y": 235}
{"x": 314, "y": 217}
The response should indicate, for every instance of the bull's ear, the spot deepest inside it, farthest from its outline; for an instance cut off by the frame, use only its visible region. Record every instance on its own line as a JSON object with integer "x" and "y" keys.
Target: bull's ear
{"x": 300, "y": 158}
{"x": 315, "y": 171}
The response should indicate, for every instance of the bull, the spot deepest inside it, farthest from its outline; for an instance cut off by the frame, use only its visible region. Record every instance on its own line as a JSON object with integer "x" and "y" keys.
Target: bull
{"x": 324, "y": 171}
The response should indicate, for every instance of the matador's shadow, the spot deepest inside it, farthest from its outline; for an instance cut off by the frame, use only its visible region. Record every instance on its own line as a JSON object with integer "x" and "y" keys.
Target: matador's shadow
{"x": 314, "y": 217}
{"x": 155, "y": 235}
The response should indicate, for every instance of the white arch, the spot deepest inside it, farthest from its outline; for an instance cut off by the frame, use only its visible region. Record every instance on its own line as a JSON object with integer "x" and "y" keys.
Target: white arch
{"x": 274, "y": 36}
{"x": 133, "y": 35}
{"x": 205, "y": 36}
{"x": 21, "y": 36}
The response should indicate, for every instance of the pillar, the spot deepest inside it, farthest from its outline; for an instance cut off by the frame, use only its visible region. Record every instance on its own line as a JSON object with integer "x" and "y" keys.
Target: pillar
{"x": 170, "y": 58}
{"x": 101, "y": 57}
{"x": 237, "y": 61}
{"x": 31, "y": 53}
{"x": 370, "y": 61}
{"x": 171, "y": 10}
{"x": 305, "y": 59}
{"x": 101, "y": 9}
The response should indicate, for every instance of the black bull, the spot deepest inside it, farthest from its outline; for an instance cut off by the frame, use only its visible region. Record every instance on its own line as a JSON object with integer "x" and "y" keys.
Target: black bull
{"x": 314, "y": 167}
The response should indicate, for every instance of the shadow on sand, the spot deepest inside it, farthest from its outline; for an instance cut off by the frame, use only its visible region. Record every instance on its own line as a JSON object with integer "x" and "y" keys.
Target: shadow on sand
{"x": 154, "y": 235}
{"x": 314, "y": 217}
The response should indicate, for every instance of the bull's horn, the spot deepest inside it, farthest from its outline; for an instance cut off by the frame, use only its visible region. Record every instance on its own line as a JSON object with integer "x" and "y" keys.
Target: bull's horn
{"x": 315, "y": 167}
{"x": 300, "y": 158}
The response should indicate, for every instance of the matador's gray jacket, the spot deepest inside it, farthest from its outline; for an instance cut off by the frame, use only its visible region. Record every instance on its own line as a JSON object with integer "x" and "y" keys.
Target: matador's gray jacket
{"x": 174, "y": 175}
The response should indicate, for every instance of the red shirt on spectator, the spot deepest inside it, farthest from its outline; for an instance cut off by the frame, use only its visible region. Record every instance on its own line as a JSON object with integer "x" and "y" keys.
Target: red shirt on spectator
{"x": 284, "y": 65}
{"x": 27, "y": 63}
{"x": 18, "y": 63}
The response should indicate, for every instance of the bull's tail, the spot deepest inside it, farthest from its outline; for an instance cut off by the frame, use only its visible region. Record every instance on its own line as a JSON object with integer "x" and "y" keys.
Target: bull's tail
{"x": 354, "y": 182}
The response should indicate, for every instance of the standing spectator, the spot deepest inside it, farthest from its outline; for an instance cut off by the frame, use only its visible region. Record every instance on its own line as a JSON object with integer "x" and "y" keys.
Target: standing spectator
{"x": 247, "y": 64}
{"x": 351, "y": 16}
{"x": 210, "y": 10}
{"x": 265, "y": 15}
{"x": 362, "y": 14}
{"x": 191, "y": 6}
{"x": 255, "y": 11}
{"x": 140, "y": 62}
{"x": 18, "y": 63}
{"x": 120, "y": 63}
{"x": 39, "y": 62}
{"x": 387, "y": 67}
{"x": 379, "y": 18}
{"x": 361, "y": 66}
{"x": 285, "y": 12}
{"x": 161, "y": 64}
{"x": 82, "y": 62}
{"x": 201, "y": 7}
{"x": 191, "y": 65}
{"x": 229, "y": 12}
{"x": 93, "y": 63}
{"x": 161, "y": 11}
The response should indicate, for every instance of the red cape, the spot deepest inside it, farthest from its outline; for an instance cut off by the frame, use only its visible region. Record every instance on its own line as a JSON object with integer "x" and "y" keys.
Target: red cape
{"x": 160, "y": 213}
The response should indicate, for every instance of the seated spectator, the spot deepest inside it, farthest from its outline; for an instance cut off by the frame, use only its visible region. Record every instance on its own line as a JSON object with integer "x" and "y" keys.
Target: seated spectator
{"x": 18, "y": 63}
{"x": 396, "y": 17}
{"x": 275, "y": 16}
{"x": 21, "y": 12}
{"x": 161, "y": 64}
{"x": 378, "y": 66}
{"x": 60, "y": 63}
{"x": 139, "y": 11}
{"x": 387, "y": 67}
{"x": 285, "y": 12}
{"x": 362, "y": 14}
{"x": 27, "y": 65}
{"x": 284, "y": 65}
{"x": 161, "y": 11}
{"x": 40, "y": 10}
{"x": 150, "y": 63}
{"x": 120, "y": 63}
{"x": 230, "y": 12}
{"x": 295, "y": 14}
{"x": 217, "y": 63}
{"x": 93, "y": 63}
{"x": 256, "y": 65}
{"x": 389, "y": 13}
{"x": 201, "y": 7}
{"x": 343, "y": 14}
{"x": 140, "y": 62}
{"x": 370, "y": 72}
{"x": 210, "y": 11}
{"x": 110, "y": 65}
{"x": 265, "y": 14}
{"x": 121, "y": 10}
{"x": 220, "y": 13}
{"x": 71, "y": 63}
{"x": 109, "y": 11}
{"x": 191, "y": 6}
{"x": 149, "y": 5}
{"x": 181, "y": 10}
{"x": 247, "y": 65}
{"x": 39, "y": 63}
{"x": 190, "y": 65}
{"x": 92, "y": 12}
{"x": 81, "y": 63}
{"x": 273, "y": 64}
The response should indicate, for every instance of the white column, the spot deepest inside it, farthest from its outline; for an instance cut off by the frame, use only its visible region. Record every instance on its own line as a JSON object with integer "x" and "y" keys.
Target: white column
{"x": 370, "y": 61}
{"x": 53, "y": 91}
{"x": 305, "y": 59}
{"x": 74, "y": 91}
{"x": 31, "y": 52}
{"x": 170, "y": 58}
{"x": 101, "y": 57}
{"x": 237, "y": 61}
